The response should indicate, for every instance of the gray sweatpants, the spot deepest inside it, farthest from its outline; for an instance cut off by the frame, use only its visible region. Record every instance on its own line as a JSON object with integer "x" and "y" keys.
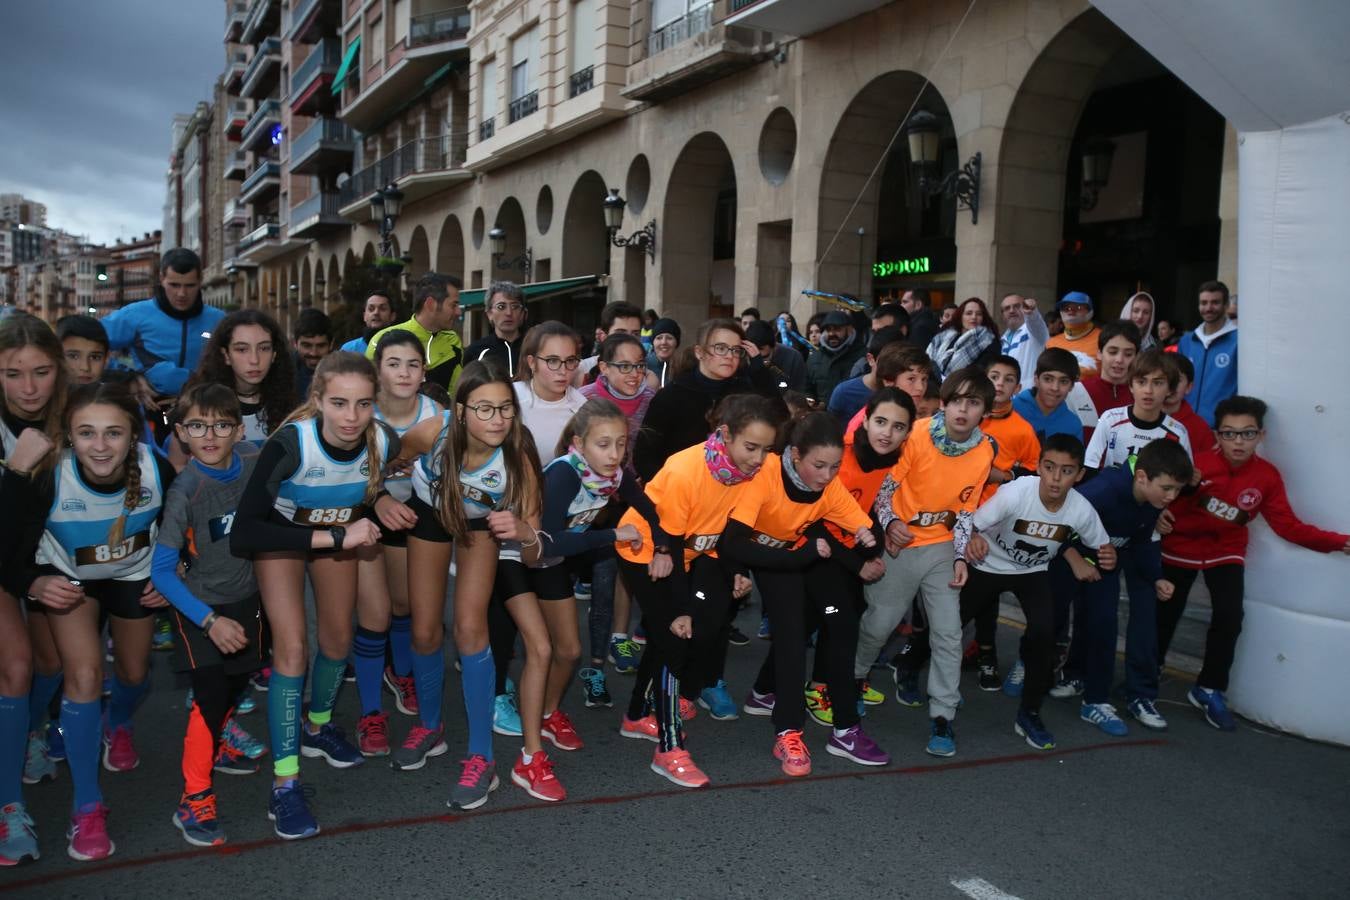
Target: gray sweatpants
{"x": 927, "y": 568}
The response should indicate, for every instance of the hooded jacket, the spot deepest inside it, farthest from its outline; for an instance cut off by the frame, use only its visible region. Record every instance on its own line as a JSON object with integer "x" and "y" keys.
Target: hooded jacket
{"x": 1215, "y": 357}
{"x": 165, "y": 343}
{"x": 826, "y": 368}
{"x": 505, "y": 353}
{"x": 1148, "y": 341}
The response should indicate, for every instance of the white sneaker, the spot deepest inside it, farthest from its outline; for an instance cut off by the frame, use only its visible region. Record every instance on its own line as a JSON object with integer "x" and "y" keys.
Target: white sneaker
{"x": 1147, "y": 714}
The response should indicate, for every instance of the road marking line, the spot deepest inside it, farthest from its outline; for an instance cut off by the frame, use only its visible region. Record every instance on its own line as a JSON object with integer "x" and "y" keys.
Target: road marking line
{"x": 979, "y": 889}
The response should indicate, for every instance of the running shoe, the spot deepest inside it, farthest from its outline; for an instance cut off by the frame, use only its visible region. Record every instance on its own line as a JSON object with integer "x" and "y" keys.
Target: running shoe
{"x": 259, "y": 679}
{"x": 230, "y": 761}
{"x": 623, "y": 654}
{"x": 37, "y": 764}
{"x": 941, "y": 738}
{"x": 643, "y": 729}
{"x": 819, "y": 706}
{"x": 404, "y": 689}
{"x": 988, "y": 668}
{"x": 765, "y": 632}
{"x": 417, "y": 746}
{"x": 477, "y": 779}
{"x": 119, "y": 751}
{"x": 372, "y": 734}
{"x": 1103, "y": 715}
{"x": 869, "y": 695}
{"x": 330, "y": 744}
{"x": 505, "y": 715}
{"x": 717, "y": 701}
{"x": 597, "y": 692}
{"x": 791, "y": 751}
{"x": 907, "y": 688}
{"x": 289, "y": 812}
{"x": 234, "y": 734}
{"x": 88, "y": 834}
{"x": 1147, "y": 714}
{"x": 679, "y": 767}
{"x": 18, "y": 839}
{"x": 688, "y": 711}
{"x": 757, "y": 704}
{"x": 537, "y": 778}
{"x": 1067, "y": 688}
{"x": 56, "y": 742}
{"x": 1215, "y": 707}
{"x": 737, "y": 637}
{"x": 855, "y": 745}
{"x": 640, "y": 635}
{"x": 196, "y": 819}
{"x": 245, "y": 704}
{"x": 581, "y": 590}
{"x": 163, "y": 636}
{"x": 559, "y": 731}
{"x": 1012, "y": 685}
{"x": 1029, "y": 725}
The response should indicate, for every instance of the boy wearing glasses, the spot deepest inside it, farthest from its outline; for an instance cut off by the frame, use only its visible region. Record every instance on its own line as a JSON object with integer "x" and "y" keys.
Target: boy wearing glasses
{"x": 1209, "y": 535}
{"x": 506, "y": 314}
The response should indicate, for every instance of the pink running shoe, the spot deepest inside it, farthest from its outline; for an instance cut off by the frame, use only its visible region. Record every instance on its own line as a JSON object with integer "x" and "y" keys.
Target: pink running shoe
{"x": 88, "y": 834}
{"x": 119, "y": 753}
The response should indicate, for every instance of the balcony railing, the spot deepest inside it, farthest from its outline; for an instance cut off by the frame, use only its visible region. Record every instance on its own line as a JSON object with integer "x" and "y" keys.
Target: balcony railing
{"x": 235, "y": 214}
{"x": 235, "y": 13}
{"x": 300, "y": 11}
{"x": 487, "y": 128}
{"x": 317, "y": 206}
{"x": 682, "y": 29}
{"x": 261, "y": 15}
{"x": 523, "y": 106}
{"x": 437, "y": 154}
{"x": 264, "y": 232}
{"x": 324, "y": 129}
{"x": 267, "y": 54}
{"x": 738, "y": 5}
{"x": 267, "y": 110}
{"x": 327, "y": 54}
{"x": 581, "y": 82}
{"x": 447, "y": 24}
{"x": 235, "y": 165}
{"x": 268, "y": 168}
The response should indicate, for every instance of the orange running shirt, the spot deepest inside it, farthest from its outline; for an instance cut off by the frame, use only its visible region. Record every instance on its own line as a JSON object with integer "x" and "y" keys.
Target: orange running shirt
{"x": 862, "y": 486}
{"x": 779, "y": 521}
{"x": 1017, "y": 445}
{"x": 934, "y": 488}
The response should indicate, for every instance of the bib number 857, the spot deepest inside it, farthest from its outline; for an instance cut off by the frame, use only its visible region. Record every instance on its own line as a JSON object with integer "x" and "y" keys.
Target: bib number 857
{"x": 328, "y": 516}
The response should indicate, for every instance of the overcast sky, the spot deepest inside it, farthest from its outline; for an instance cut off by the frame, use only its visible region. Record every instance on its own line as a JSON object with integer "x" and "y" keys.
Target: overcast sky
{"x": 90, "y": 89}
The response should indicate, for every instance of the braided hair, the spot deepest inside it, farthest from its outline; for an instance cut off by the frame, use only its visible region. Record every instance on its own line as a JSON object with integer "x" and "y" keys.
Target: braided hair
{"x": 116, "y": 395}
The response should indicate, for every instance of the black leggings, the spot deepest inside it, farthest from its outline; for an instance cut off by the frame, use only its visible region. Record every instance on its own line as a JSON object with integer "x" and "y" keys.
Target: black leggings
{"x": 1032, "y": 590}
{"x": 1226, "y": 586}
{"x": 214, "y": 695}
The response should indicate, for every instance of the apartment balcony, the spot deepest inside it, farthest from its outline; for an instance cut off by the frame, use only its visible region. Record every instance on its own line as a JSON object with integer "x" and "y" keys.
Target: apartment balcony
{"x": 692, "y": 51}
{"x": 419, "y": 168}
{"x": 263, "y": 182}
{"x": 487, "y": 129}
{"x": 257, "y": 134}
{"x": 264, "y": 70}
{"x": 235, "y": 68}
{"x": 263, "y": 19}
{"x": 325, "y": 146}
{"x": 581, "y": 82}
{"x": 312, "y": 81}
{"x": 523, "y": 106}
{"x": 315, "y": 215}
{"x": 235, "y": 214}
{"x": 235, "y": 119}
{"x": 236, "y": 12}
{"x": 389, "y": 79}
{"x": 263, "y": 243}
{"x": 798, "y": 18}
{"x": 235, "y": 166}
{"x": 312, "y": 19}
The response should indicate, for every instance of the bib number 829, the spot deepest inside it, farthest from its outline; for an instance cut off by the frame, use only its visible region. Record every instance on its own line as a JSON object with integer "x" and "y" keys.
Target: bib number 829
{"x": 1226, "y": 511}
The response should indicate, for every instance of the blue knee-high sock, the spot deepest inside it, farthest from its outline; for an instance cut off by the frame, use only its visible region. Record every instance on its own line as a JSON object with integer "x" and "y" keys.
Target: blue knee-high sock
{"x": 479, "y": 676}
{"x": 323, "y": 688}
{"x": 82, "y": 724}
{"x": 428, "y": 671}
{"x": 283, "y": 722}
{"x": 40, "y": 698}
{"x": 124, "y": 701}
{"x": 400, "y": 645}
{"x": 368, "y": 649}
{"x": 13, "y": 742}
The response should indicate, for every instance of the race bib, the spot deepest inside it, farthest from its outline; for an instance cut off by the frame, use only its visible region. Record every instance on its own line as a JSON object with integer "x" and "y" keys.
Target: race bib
{"x": 945, "y": 518}
{"x": 331, "y": 516}
{"x": 1223, "y": 510}
{"x": 107, "y": 553}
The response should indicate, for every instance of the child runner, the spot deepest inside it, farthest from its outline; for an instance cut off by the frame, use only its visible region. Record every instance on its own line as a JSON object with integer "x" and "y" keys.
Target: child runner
{"x": 683, "y": 589}
{"x": 1043, "y": 406}
{"x": 84, "y": 347}
{"x": 1122, "y": 432}
{"x": 1178, "y": 407}
{"x": 92, "y": 522}
{"x": 247, "y": 353}
{"x": 306, "y": 509}
{"x": 1210, "y": 536}
{"x": 217, "y": 613}
{"x": 1118, "y": 345}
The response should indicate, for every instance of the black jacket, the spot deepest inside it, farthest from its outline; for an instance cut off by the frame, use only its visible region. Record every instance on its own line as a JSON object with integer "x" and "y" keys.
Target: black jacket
{"x": 923, "y": 325}
{"x": 505, "y": 353}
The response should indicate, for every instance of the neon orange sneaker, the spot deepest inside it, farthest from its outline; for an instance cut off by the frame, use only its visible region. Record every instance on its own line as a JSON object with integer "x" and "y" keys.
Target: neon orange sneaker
{"x": 792, "y": 751}
{"x": 687, "y": 709}
{"x": 679, "y": 768}
{"x": 537, "y": 778}
{"x": 643, "y": 729}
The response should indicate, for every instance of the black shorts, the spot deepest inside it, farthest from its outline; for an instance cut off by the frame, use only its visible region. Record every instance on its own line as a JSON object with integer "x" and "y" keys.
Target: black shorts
{"x": 513, "y": 579}
{"x": 393, "y": 538}
{"x": 428, "y": 527}
{"x": 115, "y": 598}
{"x": 194, "y": 650}
{"x": 552, "y": 582}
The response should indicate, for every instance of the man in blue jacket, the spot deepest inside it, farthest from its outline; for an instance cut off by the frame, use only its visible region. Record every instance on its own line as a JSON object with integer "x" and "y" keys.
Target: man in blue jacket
{"x": 1213, "y": 350}
{"x": 167, "y": 332}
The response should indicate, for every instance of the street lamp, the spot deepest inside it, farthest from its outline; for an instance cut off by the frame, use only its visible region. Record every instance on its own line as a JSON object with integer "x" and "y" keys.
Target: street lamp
{"x": 522, "y": 263}
{"x": 319, "y": 284}
{"x": 292, "y": 294}
{"x": 642, "y": 239}
{"x": 385, "y": 206}
{"x": 924, "y": 134}
{"x": 1098, "y": 153}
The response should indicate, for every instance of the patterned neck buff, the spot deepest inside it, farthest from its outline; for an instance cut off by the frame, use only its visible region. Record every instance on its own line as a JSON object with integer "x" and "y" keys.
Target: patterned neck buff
{"x": 791, "y": 474}
{"x": 591, "y": 480}
{"x": 937, "y": 430}
{"x": 719, "y": 461}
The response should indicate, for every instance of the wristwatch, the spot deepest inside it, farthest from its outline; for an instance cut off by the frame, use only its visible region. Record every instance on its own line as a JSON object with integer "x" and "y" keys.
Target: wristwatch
{"x": 339, "y": 535}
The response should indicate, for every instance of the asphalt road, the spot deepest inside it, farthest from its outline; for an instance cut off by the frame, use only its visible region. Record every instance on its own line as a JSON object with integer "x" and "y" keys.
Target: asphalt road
{"x": 1188, "y": 813}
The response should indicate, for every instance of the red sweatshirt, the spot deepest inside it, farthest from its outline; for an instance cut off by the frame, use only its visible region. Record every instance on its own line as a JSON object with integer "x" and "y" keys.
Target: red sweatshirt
{"x": 1211, "y": 524}
{"x": 1197, "y": 429}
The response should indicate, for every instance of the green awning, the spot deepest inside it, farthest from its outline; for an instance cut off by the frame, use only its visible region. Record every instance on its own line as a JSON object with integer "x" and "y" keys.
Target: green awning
{"x": 348, "y": 59}
{"x": 474, "y": 299}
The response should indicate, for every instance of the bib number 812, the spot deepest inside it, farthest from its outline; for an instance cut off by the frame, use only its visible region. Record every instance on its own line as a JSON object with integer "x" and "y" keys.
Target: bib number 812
{"x": 328, "y": 516}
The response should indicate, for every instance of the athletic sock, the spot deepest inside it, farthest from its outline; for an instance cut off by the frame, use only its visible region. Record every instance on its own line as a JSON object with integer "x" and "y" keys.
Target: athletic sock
{"x": 400, "y": 645}
{"x": 82, "y": 724}
{"x": 13, "y": 745}
{"x": 283, "y": 722}
{"x": 124, "y": 700}
{"x": 40, "y": 698}
{"x": 477, "y": 681}
{"x": 526, "y": 758}
{"x": 323, "y": 688}
{"x": 428, "y": 670}
{"x": 368, "y": 648}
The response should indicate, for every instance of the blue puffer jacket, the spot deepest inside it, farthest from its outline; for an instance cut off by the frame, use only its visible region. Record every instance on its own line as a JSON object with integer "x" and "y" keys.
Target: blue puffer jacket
{"x": 1216, "y": 363}
{"x": 165, "y": 344}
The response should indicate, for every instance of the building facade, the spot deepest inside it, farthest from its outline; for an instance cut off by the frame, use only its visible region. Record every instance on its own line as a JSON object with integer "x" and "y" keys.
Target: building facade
{"x": 19, "y": 210}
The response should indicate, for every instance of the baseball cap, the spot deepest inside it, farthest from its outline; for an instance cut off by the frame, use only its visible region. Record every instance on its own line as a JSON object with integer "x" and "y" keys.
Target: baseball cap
{"x": 1074, "y": 297}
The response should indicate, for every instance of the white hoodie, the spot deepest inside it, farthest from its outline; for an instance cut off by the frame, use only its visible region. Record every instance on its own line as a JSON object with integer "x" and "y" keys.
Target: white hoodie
{"x": 1149, "y": 341}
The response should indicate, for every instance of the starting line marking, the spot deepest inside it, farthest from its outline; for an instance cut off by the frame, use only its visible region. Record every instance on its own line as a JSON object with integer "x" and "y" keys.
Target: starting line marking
{"x": 979, "y": 889}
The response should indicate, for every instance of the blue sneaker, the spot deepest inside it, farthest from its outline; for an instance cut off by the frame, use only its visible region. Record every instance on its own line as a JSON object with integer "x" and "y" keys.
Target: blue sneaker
{"x": 1215, "y": 707}
{"x": 330, "y": 744}
{"x": 240, "y": 740}
{"x": 1029, "y": 725}
{"x": 56, "y": 743}
{"x": 196, "y": 819}
{"x": 907, "y": 688}
{"x": 18, "y": 840}
{"x": 581, "y": 590}
{"x": 162, "y": 639}
{"x": 624, "y": 655}
{"x": 941, "y": 738}
{"x": 717, "y": 701}
{"x": 765, "y": 633}
{"x": 505, "y": 716}
{"x": 1012, "y": 685}
{"x": 37, "y": 762}
{"x": 597, "y": 692}
{"x": 245, "y": 704}
{"x": 290, "y": 813}
{"x": 1103, "y": 715}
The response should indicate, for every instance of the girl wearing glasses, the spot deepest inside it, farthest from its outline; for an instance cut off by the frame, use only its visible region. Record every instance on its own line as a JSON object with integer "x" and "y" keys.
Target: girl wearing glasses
{"x": 85, "y": 533}
{"x": 306, "y": 509}
{"x": 475, "y": 484}
{"x": 246, "y": 353}
{"x": 543, "y": 387}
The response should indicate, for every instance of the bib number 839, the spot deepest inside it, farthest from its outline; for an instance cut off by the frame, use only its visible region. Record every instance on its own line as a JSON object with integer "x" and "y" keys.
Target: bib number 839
{"x": 328, "y": 516}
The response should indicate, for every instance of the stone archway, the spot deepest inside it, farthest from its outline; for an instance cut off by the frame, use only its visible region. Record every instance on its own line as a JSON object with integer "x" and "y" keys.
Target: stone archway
{"x": 420, "y": 249}
{"x": 585, "y": 239}
{"x": 511, "y": 219}
{"x": 305, "y": 294}
{"x": 450, "y": 248}
{"x": 702, "y": 186}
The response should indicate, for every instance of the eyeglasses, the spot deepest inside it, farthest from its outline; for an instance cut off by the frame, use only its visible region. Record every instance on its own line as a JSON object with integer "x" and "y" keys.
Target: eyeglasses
{"x": 485, "y": 411}
{"x": 624, "y": 368}
{"x": 1247, "y": 434}
{"x": 555, "y": 363}
{"x": 198, "y": 429}
{"x": 508, "y": 307}
{"x": 726, "y": 350}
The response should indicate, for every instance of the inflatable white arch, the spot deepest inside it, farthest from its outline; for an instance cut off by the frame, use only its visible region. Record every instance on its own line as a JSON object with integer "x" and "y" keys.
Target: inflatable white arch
{"x": 1279, "y": 72}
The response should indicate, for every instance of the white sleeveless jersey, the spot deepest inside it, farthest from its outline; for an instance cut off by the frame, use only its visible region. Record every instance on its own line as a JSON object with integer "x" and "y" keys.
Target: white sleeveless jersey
{"x": 75, "y": 540}
{"x": 255, "y": 426}
{"x": 400, "y": 487}
{"x": 324, "y": 491}
{"x": 482, "y": 489}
